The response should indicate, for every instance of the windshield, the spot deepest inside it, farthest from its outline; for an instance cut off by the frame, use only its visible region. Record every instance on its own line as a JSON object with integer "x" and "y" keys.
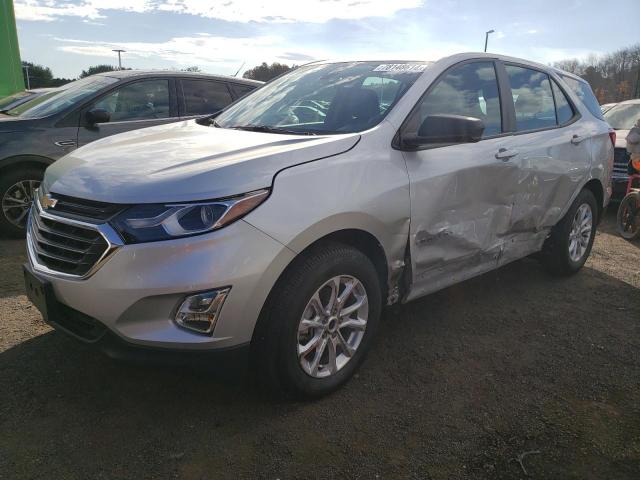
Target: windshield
{"x": 56, "y": 101}
{"x": 623, "y": 117}
{"x": 5, "y": 102}
{"x": 324, "y": 99}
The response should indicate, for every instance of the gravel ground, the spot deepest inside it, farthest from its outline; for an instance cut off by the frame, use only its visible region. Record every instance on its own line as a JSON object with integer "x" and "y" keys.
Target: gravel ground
{"x": 508, "y": 372}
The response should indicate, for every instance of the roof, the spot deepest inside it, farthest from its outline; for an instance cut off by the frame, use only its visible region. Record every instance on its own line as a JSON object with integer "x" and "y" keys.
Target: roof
{"x": 461, "y": 57}
{"x": 173, "y": 73}
{"x": 633, "y": 101}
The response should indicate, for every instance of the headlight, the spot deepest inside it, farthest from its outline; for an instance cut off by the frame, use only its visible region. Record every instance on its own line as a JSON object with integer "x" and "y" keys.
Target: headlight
{"x": 153, "y": 222}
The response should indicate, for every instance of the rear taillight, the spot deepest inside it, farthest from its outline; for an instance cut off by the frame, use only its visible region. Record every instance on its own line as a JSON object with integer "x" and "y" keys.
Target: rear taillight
{"x": 612, "y": 136}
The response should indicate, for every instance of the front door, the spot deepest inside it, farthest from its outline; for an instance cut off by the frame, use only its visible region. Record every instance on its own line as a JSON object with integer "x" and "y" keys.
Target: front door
{"x": 139, "y": 104}
{"x": 462, "y": 194}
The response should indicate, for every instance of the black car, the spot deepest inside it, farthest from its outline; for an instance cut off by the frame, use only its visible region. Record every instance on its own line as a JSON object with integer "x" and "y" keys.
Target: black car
{"x": 40, "y": 131}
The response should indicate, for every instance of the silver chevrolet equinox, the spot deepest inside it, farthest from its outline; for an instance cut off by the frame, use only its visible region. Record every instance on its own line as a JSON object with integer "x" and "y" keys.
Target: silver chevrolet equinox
{"x": 277, "y": 230}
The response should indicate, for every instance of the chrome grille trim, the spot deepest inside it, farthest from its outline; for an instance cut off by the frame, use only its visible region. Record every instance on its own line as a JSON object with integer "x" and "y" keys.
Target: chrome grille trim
{"x": 621, "y": 161}
{"x": 34, "y": 235}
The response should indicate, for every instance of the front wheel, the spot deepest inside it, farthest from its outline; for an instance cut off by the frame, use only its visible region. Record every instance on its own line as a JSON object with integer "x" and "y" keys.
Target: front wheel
{"x": 629, "y": 216}
{"x": 320, "y": 322}
{"x": 570, "y": 242}
{"x": 17, "y": 190}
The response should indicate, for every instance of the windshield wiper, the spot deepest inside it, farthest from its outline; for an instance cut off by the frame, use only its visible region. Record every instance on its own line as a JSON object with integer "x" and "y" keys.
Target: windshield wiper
{"x": 268, "y": 129}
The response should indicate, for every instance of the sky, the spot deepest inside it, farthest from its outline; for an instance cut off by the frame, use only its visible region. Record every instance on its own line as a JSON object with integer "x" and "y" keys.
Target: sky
{"x": 219, "y": 36}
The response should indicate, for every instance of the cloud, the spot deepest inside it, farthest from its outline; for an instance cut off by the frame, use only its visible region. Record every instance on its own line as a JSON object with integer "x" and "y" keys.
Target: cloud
{"x": 551, "y": 55}
{"x": 284, "y": 11}
{"x": 50, "y": 10}
{"x": 213, "y": 52}
{"x": 296, "y": 57}
{"x": 276, "y": 11}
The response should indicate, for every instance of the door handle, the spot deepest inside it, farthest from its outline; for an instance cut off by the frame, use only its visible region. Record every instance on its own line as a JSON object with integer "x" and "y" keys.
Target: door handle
{"x": 504, "y": 154}
{"x": 576, "y": 139}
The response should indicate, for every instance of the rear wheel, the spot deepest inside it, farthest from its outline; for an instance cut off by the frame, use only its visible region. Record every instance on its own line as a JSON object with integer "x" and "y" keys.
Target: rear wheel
{"x": 320, "y": 322}
{"x": 17, "y": 190}
{"x": 568, "y": 247}
{"x": 629, "y": 216}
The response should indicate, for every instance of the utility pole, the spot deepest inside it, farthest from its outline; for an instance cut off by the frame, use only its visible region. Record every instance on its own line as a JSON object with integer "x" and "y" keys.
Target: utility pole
{"x": 486, "y": 38}
{"x": 119, "y": 58}
{"x": 26, "y": 69}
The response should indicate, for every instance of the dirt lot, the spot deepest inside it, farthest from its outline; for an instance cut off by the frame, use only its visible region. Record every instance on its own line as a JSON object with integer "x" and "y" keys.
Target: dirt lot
{"x": 460, "y": 384}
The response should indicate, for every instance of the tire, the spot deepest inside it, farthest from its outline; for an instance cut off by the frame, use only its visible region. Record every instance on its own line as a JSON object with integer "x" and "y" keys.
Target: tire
{"x": 17, "y": 185}
{"x": 281, "y": 335}
{"x": 629, "y": 216}
{"x": 558, "y": 255}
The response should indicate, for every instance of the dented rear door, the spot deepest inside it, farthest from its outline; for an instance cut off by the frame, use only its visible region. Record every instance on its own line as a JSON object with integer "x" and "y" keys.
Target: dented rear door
{"x": 552, "y": 153}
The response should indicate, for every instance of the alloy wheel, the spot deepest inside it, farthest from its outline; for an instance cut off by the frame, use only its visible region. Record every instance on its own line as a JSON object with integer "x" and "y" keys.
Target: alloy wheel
{"x": 16, "y": 201}
{"x": 332, "y": 326}
{"x": 580, "y": 234}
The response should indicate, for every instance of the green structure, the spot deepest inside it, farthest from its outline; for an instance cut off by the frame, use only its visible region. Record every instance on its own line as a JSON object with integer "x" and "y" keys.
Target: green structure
{"x": 11, "y": 79}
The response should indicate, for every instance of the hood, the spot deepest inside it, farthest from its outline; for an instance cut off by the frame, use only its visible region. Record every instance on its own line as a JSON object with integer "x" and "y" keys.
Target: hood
{"x": 621, "y": 138}
{"x": 10, "y": 123}
{"x": 184, "y": 162}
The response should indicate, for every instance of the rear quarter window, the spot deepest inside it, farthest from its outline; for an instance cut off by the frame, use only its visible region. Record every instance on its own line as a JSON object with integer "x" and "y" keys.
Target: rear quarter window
{"x": 241, "y": 90}
{"x": 585, "y": 94}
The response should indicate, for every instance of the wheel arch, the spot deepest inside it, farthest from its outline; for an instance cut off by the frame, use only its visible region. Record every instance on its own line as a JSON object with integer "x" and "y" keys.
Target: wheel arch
{"x": 359, "y": 239}
{"x": 595, "y": 186}
{"x": 26, "y": 161}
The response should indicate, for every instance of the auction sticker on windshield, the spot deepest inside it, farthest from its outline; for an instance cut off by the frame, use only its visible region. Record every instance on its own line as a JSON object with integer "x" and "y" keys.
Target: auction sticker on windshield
{"x": 401, "y": 67}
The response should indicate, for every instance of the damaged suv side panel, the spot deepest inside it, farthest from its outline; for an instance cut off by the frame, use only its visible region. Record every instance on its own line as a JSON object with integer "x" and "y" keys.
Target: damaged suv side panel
{"x": 473, "y": 209}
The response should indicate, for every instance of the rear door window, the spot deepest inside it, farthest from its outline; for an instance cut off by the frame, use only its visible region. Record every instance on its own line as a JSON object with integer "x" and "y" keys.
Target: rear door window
{"x": 241, "y": 90}
{"x": 532, "y": 98}
{"x": 203, "y": 97}
{"x": 564, "y": 110}
{"x": 585, "y": 94}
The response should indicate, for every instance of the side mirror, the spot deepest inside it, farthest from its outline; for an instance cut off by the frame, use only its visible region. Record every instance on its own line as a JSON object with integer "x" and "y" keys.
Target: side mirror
{"x": 97, "y": 115}
{"x": 208, "y": 120}
{"x": 445, "y": 129}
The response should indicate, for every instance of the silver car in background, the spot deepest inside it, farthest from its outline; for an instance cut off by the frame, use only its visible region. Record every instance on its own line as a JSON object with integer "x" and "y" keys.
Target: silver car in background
{"x": 279, "y": 229}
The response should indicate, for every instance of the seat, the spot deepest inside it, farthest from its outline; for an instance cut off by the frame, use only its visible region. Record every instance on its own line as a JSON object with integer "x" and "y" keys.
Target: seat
{"x": 352, "y": 107}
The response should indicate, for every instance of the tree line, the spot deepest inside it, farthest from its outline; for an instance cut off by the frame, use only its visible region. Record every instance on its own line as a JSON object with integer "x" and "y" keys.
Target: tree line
{"x": 614, "y": 77}
{"x": 39, "y": 76}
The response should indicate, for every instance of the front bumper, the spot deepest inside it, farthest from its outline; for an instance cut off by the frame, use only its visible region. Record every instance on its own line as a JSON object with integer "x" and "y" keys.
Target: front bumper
{"x": 134, "y": 295}
{"x": 233, "y": 360}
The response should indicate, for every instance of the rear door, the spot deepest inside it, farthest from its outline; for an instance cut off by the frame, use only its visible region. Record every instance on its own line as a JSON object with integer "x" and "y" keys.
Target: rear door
{"x": 137, "y": 104}
{"x": 461, "y": 194}
{"x": 551, "y": 150}
{"x": 202, "y": 97}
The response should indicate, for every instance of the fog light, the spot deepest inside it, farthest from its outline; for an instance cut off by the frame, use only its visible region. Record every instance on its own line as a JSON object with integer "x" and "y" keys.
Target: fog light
{"x": 200, "y": 312}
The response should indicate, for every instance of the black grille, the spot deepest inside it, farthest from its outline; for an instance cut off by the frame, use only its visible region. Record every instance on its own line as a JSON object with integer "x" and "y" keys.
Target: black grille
{"x": 79, "y": 324}
{"x": 621, "y": 161}
{"x": 65, "y": 248}
{"x": 85, "y": 210}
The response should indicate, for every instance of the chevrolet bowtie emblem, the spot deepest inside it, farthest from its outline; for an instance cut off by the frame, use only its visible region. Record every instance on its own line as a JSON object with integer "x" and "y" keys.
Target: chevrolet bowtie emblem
{"x": 47, "y": 201}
